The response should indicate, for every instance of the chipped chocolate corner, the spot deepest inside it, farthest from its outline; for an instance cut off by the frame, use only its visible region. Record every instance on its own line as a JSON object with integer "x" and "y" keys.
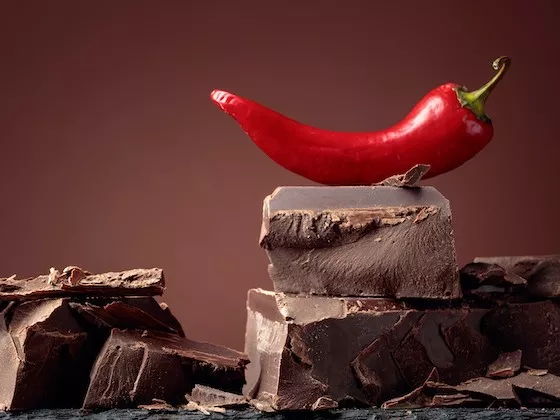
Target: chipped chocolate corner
{"x": 410, "y": 179}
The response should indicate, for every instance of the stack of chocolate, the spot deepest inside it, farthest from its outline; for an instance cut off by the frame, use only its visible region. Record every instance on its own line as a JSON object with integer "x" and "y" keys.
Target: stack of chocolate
{"x": 369, "y": 308}
{"x": 72, "y": 339}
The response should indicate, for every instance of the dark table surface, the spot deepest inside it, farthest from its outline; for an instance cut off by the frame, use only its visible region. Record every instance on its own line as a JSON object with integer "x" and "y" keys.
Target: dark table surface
{"x": 349, "y": 414}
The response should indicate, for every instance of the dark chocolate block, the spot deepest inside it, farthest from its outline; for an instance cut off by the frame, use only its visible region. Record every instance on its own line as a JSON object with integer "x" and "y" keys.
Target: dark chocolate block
{"x": 305, "y": 349}
{"x": 361, "y": 241}
{"x": 135, "y": 367}
{"x": 45, "y": 356}
{"x": 137, "y": 282}
{"x": 542, "y": 273}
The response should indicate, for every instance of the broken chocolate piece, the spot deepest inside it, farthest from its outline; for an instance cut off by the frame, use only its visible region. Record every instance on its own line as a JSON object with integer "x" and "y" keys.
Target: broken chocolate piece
{"x": 135, "y": 367}
{"x": 342, "y": 241}
{"x": 410, "y": 179}
{"x": 506, "y": 389}
{"x": 414, "y": 399}
{"x": 137, "y": 282}
{"x": 309, "y": 348}
{"x": 507, "y": 365}
{"x": 400, "y": 360}
{"x": 46, "y": 356}
{"x": 531, "y": 327}
{"x": 485, "y": 280}
{"x": 211, "y": 397}
{"x": 301, "y": 347}
{"x": 133, "y": 312}
{"x": 541, "y": 272}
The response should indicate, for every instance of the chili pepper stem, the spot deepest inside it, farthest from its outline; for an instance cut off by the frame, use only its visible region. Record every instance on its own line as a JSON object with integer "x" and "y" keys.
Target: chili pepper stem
{"x": 476, "y": 100}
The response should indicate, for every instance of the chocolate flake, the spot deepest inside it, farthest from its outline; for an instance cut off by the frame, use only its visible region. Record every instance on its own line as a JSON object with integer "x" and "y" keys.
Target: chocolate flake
{"x": 507, "y": 365}
{"x": 341, "y": 241}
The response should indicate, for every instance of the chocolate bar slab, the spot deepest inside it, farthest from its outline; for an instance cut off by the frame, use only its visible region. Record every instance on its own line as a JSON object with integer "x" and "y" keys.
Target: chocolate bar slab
{"x": 137, "y": 282}
{"x": 542, "y": 273}
{"x": 360, "y": 241}
{"x": 354, "y": 350}
{"x": 135, "y": 367}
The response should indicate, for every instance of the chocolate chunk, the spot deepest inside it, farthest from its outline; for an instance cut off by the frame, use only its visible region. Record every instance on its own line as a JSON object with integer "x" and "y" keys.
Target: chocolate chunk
{"x": 507, "y": 365}
{"x": 46, "y": 356}
{"x": 133, "y": 312}
{"x": 211, "y": 397}
{"x": 301, "y": 348}
{"x": 531, "y": 327}
{"x": 414, "y": 399}
{"x": 137, "y": 282}
{"x": 541, "y": 272}
{"x": 354, "y": 350}
{"x": 135, "y": 367}
{"x": 410, "y": 179}
{"x": 361, "y": 241}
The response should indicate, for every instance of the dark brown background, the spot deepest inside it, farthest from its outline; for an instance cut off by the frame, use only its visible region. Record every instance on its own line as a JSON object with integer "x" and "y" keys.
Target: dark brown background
{"x": 113, "y": 156}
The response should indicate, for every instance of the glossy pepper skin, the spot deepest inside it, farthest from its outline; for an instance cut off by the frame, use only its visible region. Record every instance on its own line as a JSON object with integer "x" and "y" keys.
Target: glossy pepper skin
{"x": 444, "y": 130}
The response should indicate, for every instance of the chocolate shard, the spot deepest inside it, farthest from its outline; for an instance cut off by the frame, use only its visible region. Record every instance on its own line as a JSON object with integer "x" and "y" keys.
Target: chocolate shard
{"x": 342, "y": 241}
{"x": 541, "y": 272}
{"x": 410, "y": 179}
{"x": 46, "y": 356}
{"x": 137, "y": 282}
{"x": 507, "y": 365}
{"x": 135, "y": 367}
{"x": 324, "y": 403}
{"x": 130, "y": 312}
{"x": 417, "y": 398}
{"x": 308, "y": 350}
{"x": 531, "y": 327}
{"x": 377, "y": 370}
{"x": 211, "y": 397}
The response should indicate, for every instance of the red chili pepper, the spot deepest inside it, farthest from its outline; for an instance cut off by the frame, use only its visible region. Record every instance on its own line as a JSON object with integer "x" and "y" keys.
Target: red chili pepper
{"x": 444, "y": 130}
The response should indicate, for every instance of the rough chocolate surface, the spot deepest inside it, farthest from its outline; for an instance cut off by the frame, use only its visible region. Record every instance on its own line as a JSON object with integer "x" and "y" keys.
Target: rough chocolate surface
{"x": 135, "y": 367}
{"x": 361, "y": 241}
{"x": 45, "y": 356}
{"x": 137, "y": 282}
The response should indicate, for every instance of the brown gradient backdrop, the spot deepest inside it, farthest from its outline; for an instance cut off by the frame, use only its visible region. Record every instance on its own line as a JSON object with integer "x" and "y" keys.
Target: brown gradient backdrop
{"x": 113, "y": 157}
